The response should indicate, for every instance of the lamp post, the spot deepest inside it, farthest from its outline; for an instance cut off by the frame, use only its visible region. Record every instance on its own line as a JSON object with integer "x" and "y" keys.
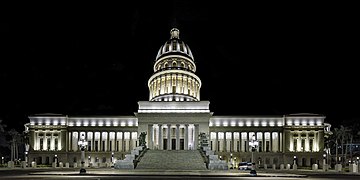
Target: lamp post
{"x": 231, "y": 162}
{"x": 254, "y": 144}
{"x": 324, "y": 162}
{"x": 56, "y": 160}
{"x": 235, "y": 162}
{"x": 112, "y": 158}
{"x": 357, "y": 160}
{"x": 82, "y": 143}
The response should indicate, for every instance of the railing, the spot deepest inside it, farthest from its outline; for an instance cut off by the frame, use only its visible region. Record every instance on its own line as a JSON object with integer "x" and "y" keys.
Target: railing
{"x": 205, "y": 158}
{"x": 138, "y": 159}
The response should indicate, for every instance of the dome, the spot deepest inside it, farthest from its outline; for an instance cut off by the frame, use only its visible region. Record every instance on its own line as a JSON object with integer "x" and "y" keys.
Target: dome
{"x": 174, "y": 46}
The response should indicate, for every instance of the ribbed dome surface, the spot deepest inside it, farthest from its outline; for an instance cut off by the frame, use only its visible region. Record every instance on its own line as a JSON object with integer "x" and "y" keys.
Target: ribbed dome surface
{"x": 174, "y": 46}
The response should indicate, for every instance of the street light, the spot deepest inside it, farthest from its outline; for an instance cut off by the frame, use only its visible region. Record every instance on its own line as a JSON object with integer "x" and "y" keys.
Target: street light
{"x": 254, "y": 144}
{"x": 357, "y": 160}
{"x": 112, "y": 157}
{"x": 231, "y": 162}
{"x": 82, "y": 143}
{"x": 235, "y": 162}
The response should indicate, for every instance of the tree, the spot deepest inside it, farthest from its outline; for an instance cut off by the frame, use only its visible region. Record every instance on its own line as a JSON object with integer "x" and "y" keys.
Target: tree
{"x": 14, "y": 141}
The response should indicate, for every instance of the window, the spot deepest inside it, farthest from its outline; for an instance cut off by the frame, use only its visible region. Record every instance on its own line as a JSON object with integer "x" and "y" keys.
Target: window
{"x": 110, "y": 146}
{"x": 48, "y": 144}
{"x": 96, "y": 145}
{"x": 103, "y": 146}
{"x": 311, "y": 142}
{"x": 89, "y": 145}
{"x": 302, "y": 144}
{"x": 56, "y": 144}
{"x": 295, "y": 144}
{"x": 41, "y": 144}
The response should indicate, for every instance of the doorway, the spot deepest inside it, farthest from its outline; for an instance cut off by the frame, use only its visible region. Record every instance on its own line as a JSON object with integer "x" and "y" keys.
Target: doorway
{"x": 182, "y": 144}
{"x": 164, "y": 144}
{"x": 173, "y": 144}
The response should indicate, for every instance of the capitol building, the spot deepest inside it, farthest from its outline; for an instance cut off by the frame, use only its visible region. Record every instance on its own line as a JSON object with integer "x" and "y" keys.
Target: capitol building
{"x": 173, "y": 118}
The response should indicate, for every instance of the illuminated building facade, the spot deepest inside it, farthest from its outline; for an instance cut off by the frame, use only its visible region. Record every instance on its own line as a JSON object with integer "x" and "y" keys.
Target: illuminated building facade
{"x": 173, "y": 118}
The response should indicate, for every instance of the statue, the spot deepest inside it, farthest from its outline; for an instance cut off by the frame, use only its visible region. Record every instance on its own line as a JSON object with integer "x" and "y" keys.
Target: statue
{"x": 142, "y": 141}
{"x": 204, "y": 140}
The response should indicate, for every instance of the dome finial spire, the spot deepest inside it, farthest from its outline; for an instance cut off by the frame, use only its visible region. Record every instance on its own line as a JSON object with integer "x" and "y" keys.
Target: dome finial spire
{"x": 174, "y": 33}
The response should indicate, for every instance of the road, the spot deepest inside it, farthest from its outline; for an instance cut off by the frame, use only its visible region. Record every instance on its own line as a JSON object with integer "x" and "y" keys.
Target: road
{"x": 24, "y": 174}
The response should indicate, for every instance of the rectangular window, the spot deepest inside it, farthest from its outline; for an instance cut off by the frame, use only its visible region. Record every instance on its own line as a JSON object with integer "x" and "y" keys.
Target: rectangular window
{"x": 117, "y": 145}
{"x": 245, "y": 145}
{"x": 96, "y": 145}
{"x": 237, "y": 146}
{"x": 302, "y": 144}
{"x": 89, "y": 145}
{"x": 267, "y": 145}
{"x": 311, "y": 145}
{"x": 260, "y": 146}
{"x": 56, "y": 144}
{"x": 103, "y": 146}
{"x": 41, "y": 144}
{"x": 110, "y": 146}
{"x": 295, "y": 145}
{"x": 48, "y": 143}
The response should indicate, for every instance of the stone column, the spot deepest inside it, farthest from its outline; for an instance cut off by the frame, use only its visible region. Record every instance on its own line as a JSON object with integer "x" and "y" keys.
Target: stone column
{"x": 271, "y": 143}
{"x": 263, "y": 141}
{"x": 247, "y": 142}
{"x": 168, "y": 137}
{"x": 160, "y": 137}
{"x": 150, "y": 138}
{"x": 108, "y": 141}
{"x": 130, "y": 142}
{"x": 100, "y": 145}
{"x": 186, "y": 140}
{"x": 177, "y": 137}
{"x": 232, "y": 143}
{"x": 216, "y": 142}
{"x": 196, "y": 136}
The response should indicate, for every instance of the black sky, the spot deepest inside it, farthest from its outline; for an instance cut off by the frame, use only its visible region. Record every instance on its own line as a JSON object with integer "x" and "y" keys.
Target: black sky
{"x": 259, "y": 59}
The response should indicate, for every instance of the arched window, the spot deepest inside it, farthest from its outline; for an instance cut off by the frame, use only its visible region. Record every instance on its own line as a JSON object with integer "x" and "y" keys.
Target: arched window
{"x": 182, "y": 64}
{"x": 165, "y": 65}
{"x": 190, "y": 67}
{"x": 159, "y": 67}
{"x": 174, "y": 64}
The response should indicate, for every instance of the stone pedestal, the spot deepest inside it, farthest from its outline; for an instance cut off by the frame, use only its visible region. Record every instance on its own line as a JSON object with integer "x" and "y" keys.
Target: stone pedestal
{"x": 75, "y": 165}
{"x": 274, "y": 166}
{"x": 282, "y": 167}
{"x": 265, "y": 166}
{"x": 338, "y": 167}
{"x": 325, "y": 167}
{"x": 61, "y": 165}
{"x": 33, "y": 164}
{"x": 53, "y": 165}
{"x": 314, "y": 167}
{"x": 294, "y": 167}
{"x": 288, "y": 166}
{"x": 11, "y": 164}
{"x": 67, "y": 165}
{"x": 23, "y": 164}
{"x": 353, "y": 168}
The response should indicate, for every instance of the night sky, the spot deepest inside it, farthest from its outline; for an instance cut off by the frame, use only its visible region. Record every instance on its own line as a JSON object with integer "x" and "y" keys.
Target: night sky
{"x": 259, "y": 59}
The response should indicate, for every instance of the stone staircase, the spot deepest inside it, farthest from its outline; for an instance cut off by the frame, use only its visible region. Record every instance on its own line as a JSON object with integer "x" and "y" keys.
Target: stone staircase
{"x": 172, "y": 160}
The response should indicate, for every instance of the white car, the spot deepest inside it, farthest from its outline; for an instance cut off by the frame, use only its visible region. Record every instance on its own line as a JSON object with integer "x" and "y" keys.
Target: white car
{"x": 245, "y": 166}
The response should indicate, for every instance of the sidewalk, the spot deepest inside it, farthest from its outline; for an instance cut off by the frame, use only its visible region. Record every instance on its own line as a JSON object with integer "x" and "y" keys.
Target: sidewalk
{"x": 200, "y": 173}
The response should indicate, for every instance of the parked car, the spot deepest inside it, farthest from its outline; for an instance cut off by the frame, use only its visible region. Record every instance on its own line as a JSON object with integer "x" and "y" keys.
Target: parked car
{"x": 245, "y": 166}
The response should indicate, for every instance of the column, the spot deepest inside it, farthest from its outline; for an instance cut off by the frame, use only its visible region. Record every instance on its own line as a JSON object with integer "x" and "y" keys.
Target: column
{"x": 108, "y": 141}
{"x": 130, "y": 142}
{"x": 150, "y": 130}
{"x": 116, "y": 144}
{"x": 186, "y": 143}
{"x": 271, "y": 143}
{"x": 216, "y": 141}
{"x": 66, "y": 141}
{"x": 196, "y": 141}
{"x": 247, "y": 148}
{"x": 168, "y": 137}
{"x": 224, "y": 149}
{"x": 160, "y": 137}
{"x": 232, "y": 143}
{"x": 100, "y": 143}
{"x": 93, "y": 141}
{"x": 123, "y": 141}
{"x": 263, "y": 143}
{"x": 177, "y": 137}
{"x": 71, "y": 139}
